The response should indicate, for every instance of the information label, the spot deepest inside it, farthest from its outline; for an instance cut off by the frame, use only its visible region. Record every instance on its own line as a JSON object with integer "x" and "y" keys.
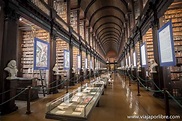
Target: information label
{"x": 134, "y": 59}
{"x": 143, "y": 54}
{"x": 66, "y": 59}
{"x": 79, "y": 61}
{"x": 126, "y": 62}
{"x": 166, "y": 45}
{"x": 86, "y": 63}
{"x": 41, "y": 54}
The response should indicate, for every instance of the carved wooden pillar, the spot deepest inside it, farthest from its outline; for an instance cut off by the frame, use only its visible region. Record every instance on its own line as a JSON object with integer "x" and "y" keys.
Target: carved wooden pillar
{"x": 70, "y": 76}
{"x": 133, "y": 14}
{"x": 89, "y": 36}
{"x": 90, "y": 63}
{"x": 81, "y": 69}
{"x": 80, "y": 52}
{"x": 159, "y": 76}
{"x": 143, "y": 70}
{"x": 8, "y": 44}
{"x": 140, "y": 43}
{"x": 78, "y": 22}
{"x": 52, "y": 48}
{"x": 1, "y": 32}
{"x": 84, "y": 25}
{"x": 86, "y": 70}
{"x": 68, "y": 12}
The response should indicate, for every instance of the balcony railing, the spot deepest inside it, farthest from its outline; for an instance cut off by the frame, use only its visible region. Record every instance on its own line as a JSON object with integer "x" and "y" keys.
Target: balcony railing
{"x": 75, "y": 35}
{"x": 62, "y": 23}
{"x": 42, "y": 4}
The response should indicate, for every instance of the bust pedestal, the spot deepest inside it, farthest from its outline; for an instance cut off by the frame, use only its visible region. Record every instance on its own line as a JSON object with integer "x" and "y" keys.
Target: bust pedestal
{"x": 11, "y": 84}
{"x": 57, "y": 81}
{"x": 81, "y": 74}
{"x": 91, "y": 72}
{"x": 72, "y": 80}
{"x": 87, "y": 74}
{"x": 24, "y": 83}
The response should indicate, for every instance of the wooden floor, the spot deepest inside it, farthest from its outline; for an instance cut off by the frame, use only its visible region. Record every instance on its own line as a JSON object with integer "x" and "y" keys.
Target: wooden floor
{"x": 119, "y": 101}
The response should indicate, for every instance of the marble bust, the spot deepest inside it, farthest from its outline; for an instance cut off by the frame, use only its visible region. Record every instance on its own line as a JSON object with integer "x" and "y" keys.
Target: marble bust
{"x": 132, "y": 67}
{"x": 139, "y": 67}
{"x": 56, "y": 69}
{"x": 152, "y": 66}
{"x": 73, "y": 70}
{"x": 12, "y": 70}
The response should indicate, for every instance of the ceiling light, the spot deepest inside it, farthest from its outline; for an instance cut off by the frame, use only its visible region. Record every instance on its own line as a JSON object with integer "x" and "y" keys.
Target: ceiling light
{"x": 20, "y": 19}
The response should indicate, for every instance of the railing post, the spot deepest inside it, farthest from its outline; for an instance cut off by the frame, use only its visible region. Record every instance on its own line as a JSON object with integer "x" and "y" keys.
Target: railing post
{"x": 138, "y": 87}
{"x": 125, "y": 75}
{"x": 28, "y": 100}
{"x": 129, "y": 78}
{"x": 167, "y": 109}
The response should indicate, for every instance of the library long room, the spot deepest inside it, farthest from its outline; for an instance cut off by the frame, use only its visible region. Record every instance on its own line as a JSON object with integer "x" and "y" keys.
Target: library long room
{"x": 90, "y": 60}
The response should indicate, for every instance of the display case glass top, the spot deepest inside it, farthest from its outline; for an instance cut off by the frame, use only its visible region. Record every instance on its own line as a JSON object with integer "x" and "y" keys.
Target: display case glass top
{"x": 76, "y": 105}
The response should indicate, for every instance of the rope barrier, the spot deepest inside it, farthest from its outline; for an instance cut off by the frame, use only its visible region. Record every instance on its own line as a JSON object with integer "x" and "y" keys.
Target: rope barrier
{"x": 24, "y": 89}
{"x": 174, "y": 99}
{"x": 56, "y": 81}
{"x": 159, "y": 90}
{"x": 155, "y": 85}
{"x": 68, "y": 81}
{"x": 57, "y": 85}
{"x": 143, "y": 79}
{"x": 13, "y": 97}
{"x": 149, "y": 88}
{"x": 131, "y": 77}
{"x": 5, "y": 92}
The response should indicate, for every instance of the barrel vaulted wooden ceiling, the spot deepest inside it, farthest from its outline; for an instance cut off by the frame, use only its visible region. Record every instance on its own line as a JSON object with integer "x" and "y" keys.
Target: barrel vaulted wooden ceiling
{"x": 107, "y": 19}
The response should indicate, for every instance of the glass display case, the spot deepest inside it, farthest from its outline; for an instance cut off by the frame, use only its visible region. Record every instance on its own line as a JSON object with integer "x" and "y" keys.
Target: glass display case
{"x": 76, "y": 105}
{"x": 101, "y": 81}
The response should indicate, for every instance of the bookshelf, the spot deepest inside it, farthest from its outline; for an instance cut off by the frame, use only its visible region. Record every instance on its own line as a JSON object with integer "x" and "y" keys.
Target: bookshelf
{"x": 28, "y": 52}
{"x": 75, "y": 57}
{"x": 82, "y": 28}
{"x": 73, "y": 20}
{"x": 61, "y": 45}
{"x": 137, "y": 49}
{"x": 83, "y": 59}
{"x": 87, "y": 35}
{"x": 88, "y": 63}
{"x": 90, "y": 40}
{"x": 61, "y": 9}
{"x": 175, "y": 15}
{"x": 148, "y": 39}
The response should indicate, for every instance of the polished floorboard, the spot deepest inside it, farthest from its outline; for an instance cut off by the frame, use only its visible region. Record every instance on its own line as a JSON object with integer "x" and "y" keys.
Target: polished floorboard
{"x": 119, "y": 101}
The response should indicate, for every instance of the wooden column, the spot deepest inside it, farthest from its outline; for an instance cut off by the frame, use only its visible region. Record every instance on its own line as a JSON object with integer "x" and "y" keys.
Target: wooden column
{"x": 78, "y": 22}
{"x": 1, "y": 42}
{"x": 84, "y": 25}
{"x": 68, "y": 12}
{"x": 140, "y": 42}
{"x": 81, "y": 70}
{"x": 89, "y": 36}
{"x": 52, "y": 60}
{"x": 133, "y": 14}
{"x": 159, "y": 76}
{"x": 8, "y": 51}
{"x": 143, "y": 70}
{"x": 1, "y": 36}
{"x": 80, "y": 52}
{"x": 86, "y": 70}
{"x": 52, "y": 42}
{"x": 91, "y": 43}
{"x": 71, "y": 57}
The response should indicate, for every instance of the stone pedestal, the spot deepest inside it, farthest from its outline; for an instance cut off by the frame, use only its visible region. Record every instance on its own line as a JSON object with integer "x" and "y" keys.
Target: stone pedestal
{"x": 10, "y": 106}
{"x": 56, "y": 83}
